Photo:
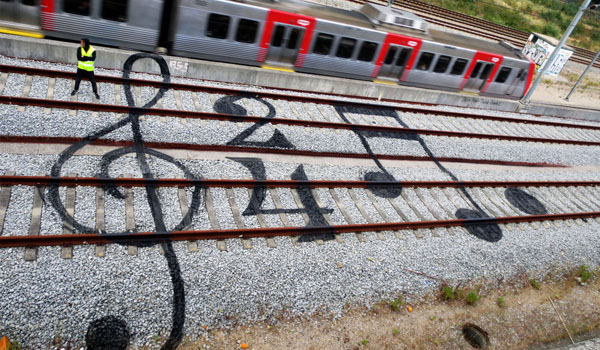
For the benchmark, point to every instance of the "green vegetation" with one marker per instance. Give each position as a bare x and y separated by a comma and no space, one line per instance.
365,341
395,331
15,345
397,303
535,284
473,296
448,293
584,274
500,302
550,17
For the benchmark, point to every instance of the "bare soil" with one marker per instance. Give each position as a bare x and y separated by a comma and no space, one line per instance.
527,319
553,90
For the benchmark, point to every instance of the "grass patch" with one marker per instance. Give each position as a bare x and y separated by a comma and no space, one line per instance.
473,296
500,302
397,303
449,293
584,274
550,17
535,284
15,345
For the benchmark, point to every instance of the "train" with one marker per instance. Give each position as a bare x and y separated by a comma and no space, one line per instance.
374,43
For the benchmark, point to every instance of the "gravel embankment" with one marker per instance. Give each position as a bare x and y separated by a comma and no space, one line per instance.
58,298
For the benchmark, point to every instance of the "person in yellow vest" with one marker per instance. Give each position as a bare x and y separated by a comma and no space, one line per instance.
86,55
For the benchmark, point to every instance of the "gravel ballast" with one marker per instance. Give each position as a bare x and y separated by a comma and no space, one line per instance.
54,300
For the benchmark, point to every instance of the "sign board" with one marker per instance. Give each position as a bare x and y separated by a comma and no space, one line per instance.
538,48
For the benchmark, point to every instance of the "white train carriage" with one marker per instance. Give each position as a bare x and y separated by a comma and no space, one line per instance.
376,43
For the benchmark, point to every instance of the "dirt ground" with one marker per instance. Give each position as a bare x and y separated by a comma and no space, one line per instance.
553,90
526,319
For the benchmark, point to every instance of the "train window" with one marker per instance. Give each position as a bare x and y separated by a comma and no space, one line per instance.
521,75
475,71
323,44
114,10
425,61
485,73
29,2
218,26
345,48
77,7
503,75
403,57
459,67
294,39
246,32
278,36
390,55
441,66
367,51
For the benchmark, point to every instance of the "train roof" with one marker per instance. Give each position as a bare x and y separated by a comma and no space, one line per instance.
359,19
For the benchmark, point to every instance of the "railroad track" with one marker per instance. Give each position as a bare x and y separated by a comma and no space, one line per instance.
307,210
476,26
321,111
423,208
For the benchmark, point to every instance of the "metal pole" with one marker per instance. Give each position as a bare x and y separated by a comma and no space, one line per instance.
582,75
390,2
550,60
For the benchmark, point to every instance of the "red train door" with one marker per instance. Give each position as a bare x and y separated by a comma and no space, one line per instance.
481,71
285,44
286,38
397,57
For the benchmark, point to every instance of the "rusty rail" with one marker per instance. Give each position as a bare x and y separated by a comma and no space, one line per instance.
28,101
332,100
8,180
94,238
264,150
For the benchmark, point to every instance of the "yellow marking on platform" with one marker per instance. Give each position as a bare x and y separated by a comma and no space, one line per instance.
385,82
21,33
283,69
472,93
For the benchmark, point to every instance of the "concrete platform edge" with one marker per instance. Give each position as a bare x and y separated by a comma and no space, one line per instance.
111,58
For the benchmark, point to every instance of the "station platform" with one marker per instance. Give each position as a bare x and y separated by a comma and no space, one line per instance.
112,58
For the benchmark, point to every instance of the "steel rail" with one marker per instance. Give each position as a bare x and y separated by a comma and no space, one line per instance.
174,182
28,101
94,238
14,180
265,150
282,96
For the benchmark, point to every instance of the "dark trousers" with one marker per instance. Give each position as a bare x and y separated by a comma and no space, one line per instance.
88,75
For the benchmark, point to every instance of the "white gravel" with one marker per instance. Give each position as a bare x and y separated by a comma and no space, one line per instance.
53,297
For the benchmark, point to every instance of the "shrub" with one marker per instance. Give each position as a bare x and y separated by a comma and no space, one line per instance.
550,29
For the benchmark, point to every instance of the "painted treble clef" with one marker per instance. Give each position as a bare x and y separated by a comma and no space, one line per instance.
142,154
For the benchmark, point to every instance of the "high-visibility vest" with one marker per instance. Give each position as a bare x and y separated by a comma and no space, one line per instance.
86,65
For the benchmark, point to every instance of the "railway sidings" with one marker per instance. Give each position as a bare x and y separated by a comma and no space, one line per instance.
176,205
